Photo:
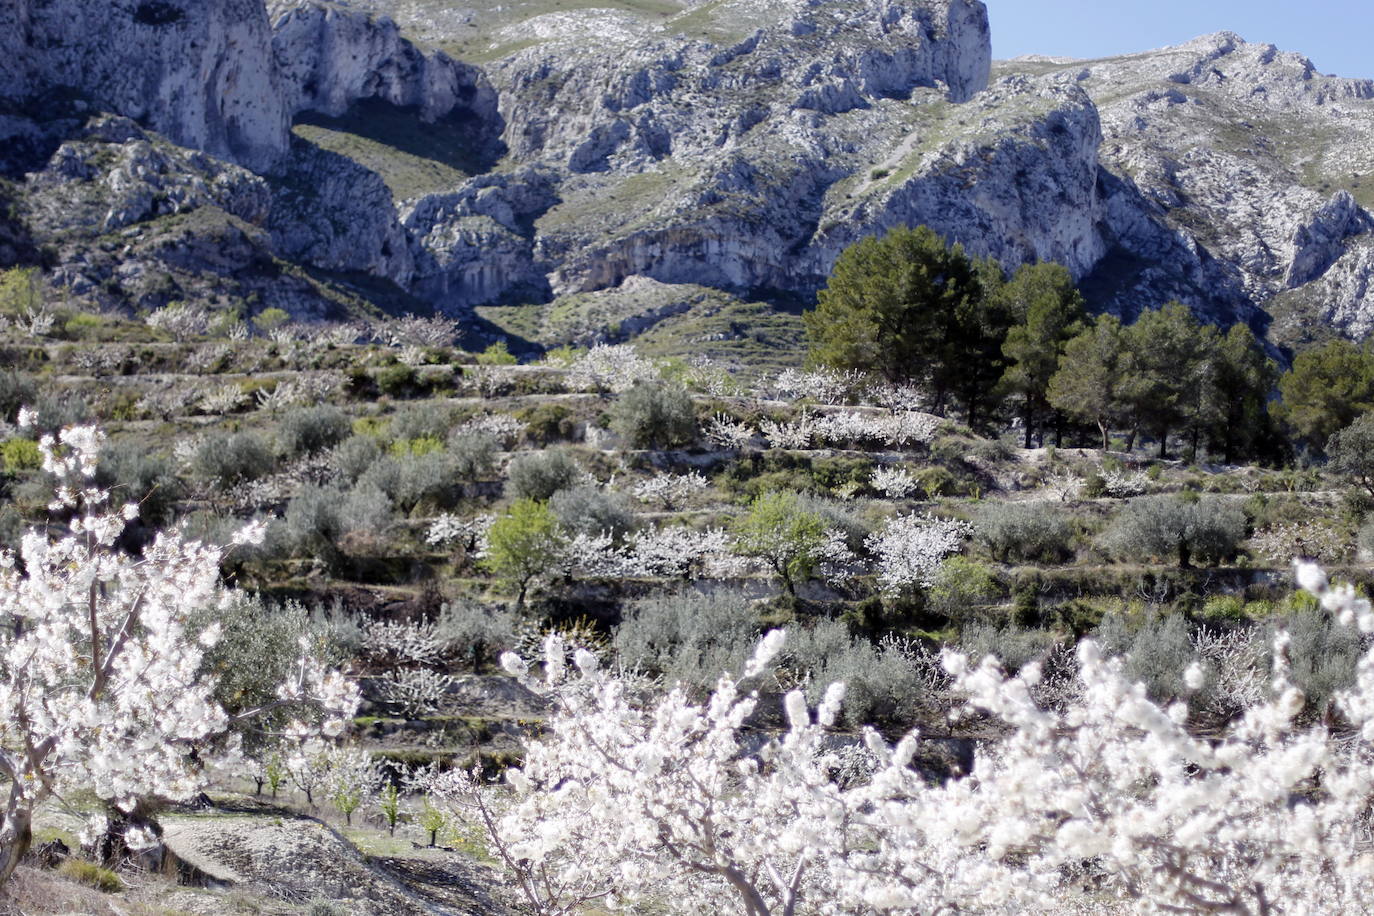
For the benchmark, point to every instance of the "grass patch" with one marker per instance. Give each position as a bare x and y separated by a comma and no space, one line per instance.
91,875
413,157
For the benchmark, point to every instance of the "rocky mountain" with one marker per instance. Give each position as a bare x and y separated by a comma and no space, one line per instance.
645,165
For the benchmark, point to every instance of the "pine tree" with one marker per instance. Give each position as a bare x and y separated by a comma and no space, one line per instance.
1047,312
1091,375
905,306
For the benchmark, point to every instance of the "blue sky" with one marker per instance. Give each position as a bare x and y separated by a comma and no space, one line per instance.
1338,35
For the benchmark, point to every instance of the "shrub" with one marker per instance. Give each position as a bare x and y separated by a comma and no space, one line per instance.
410,480
18,455
1210,529
466,628
1324,655
687,637
311,524
547,423
881,684
307,430
397,381
1157,654
961,587
258,643
588,509
91,875
353,456
269,319
131,474
16,390
1024,532
421,421
539,475
472,454
936,481
58,410
654,415
226,459
498,354
1013,646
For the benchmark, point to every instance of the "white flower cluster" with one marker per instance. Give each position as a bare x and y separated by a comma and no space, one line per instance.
415,331
727,432
671,490
222,399
180,320
449,529
894,483
99,682
1312,540
710,379
909,548
794,435
1118,484
414,692
502,426
850,427
303,389
824,386
1107,801
411,643
613,368
1064,488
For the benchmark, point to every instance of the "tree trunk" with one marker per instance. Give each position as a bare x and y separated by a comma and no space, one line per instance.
1164,445
11,854
1106,442
1185,554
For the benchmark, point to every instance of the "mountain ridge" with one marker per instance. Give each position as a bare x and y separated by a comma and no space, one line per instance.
715,145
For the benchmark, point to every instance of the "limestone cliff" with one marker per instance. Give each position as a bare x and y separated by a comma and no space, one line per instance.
460,156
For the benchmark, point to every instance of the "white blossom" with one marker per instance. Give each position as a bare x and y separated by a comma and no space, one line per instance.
909,548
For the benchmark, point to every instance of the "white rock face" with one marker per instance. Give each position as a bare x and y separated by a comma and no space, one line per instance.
328,57
198,72
1023,187
739,145
1233,174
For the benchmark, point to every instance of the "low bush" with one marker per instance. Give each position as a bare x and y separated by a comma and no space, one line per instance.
1174,525
547,423
353,456
473,455
687,637
16,390
226,459
589,509
307,430
881,683
18,455
654,415
1023,532
539,475
131,474
962,589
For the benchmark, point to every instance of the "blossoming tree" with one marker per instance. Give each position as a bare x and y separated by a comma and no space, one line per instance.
100,680
635,801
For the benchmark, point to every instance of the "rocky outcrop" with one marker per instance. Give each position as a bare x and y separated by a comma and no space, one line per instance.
1023,187
328,57
199,72
737,145
1233,175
